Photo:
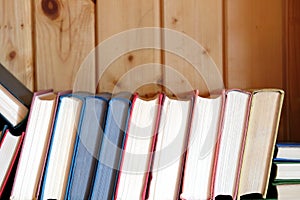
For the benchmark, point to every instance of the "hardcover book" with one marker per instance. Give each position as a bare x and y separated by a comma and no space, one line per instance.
138,147
88,144
59,158
35,146
9,149
231,141
261,136
15,100
110,151
202,146
168,160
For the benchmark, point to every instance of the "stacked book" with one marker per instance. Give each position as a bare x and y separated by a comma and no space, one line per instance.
287,170
122,146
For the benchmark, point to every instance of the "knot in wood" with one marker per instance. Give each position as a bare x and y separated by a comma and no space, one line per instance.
51,8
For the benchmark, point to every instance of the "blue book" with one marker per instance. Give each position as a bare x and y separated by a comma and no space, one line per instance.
287,152
110,151
67,122
87,147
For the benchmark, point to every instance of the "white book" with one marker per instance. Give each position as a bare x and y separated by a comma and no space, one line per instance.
61,148
9,147
201,148
170,148
38,132
138,148
231,143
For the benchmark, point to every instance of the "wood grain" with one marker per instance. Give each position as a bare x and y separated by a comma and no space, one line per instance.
124,74
16,39
253,43
64,36
202,20
292,70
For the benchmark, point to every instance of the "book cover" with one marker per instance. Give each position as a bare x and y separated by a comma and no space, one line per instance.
88,144
110,151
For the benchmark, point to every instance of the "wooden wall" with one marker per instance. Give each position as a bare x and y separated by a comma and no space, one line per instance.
291,73
253,44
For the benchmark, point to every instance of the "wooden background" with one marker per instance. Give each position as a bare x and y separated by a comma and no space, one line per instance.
254,44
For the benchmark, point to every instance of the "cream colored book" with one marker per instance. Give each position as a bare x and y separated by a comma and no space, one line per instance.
260,142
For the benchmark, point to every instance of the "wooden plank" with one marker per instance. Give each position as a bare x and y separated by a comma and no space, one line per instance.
292,70
202,20
254,43
16,39
253,49
65,35
125,74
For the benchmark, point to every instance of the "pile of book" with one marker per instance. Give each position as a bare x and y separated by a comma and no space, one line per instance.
122,146
287,170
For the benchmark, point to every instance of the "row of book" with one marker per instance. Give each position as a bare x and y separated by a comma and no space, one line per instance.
121,146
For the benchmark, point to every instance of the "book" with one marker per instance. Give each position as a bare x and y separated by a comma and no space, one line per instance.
201,148
138,147
230,146
9,149
168,160
262,131
59,158
15,100
11,108
110,151
287,189
287,171
88,143
287,152
35,145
